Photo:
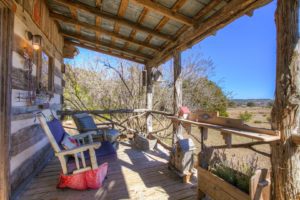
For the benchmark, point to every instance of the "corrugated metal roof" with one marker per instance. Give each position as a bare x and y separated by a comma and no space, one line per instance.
147,26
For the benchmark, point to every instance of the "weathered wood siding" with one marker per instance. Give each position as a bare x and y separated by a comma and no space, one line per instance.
29,146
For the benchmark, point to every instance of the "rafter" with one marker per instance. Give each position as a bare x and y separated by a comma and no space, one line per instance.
233,10
65,19
125,22
98,3
165,20
206,9
93,42
156,7
104,52
139,21
178,5
98,23
121,13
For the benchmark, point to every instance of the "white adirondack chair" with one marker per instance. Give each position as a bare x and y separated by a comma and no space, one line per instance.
62,154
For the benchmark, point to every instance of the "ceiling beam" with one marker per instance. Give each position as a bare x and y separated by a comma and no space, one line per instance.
109,46
233,10
156,7
68,20
120,20
104,52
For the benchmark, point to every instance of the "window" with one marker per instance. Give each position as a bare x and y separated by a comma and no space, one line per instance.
46,74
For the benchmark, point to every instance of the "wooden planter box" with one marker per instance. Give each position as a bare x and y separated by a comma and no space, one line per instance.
219,189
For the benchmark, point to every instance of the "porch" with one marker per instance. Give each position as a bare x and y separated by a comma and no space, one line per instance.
36,36
132,174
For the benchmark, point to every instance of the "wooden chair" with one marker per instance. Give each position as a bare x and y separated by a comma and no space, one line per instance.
106,131
63,154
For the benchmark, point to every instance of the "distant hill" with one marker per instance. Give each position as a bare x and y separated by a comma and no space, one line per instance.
252,102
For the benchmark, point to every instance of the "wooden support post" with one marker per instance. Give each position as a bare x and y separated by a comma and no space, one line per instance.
6,38
177,103
204,136
286,112
227,138
149,99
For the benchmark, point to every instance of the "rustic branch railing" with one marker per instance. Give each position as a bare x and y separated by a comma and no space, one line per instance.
132,124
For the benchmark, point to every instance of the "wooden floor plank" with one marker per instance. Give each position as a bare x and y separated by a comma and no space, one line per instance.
133,174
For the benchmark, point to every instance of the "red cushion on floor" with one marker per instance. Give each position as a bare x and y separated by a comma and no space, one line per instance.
95,178
74,181
92,179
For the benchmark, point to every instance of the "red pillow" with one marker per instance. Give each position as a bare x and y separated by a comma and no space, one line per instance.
92,179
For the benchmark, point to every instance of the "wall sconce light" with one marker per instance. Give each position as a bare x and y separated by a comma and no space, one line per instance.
36,40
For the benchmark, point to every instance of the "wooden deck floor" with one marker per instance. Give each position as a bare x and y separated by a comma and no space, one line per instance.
133,174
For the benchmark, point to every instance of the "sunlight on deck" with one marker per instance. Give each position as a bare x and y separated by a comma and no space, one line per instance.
132,174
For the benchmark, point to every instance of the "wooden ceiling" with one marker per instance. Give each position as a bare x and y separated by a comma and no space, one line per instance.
144,31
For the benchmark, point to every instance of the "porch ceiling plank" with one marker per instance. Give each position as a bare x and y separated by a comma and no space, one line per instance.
120,20
156,7
86,40
104,52
98,29
233,10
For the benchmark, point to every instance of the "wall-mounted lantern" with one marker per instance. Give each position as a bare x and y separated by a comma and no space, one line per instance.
76,52
157,76
36,40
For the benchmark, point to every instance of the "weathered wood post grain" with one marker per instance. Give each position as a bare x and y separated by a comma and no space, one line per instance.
149,99
177,102
6,38
285,113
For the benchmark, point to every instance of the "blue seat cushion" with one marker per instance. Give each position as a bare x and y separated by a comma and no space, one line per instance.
106,149
111,135
84,122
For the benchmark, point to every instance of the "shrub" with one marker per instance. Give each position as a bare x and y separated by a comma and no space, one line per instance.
237,173
250,104
257,122
246,116
232,104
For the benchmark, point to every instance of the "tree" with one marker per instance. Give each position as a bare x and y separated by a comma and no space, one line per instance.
285,112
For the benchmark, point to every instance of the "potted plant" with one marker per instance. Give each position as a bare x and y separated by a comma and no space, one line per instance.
232,179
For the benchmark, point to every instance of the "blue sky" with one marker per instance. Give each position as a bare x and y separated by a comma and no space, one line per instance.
244,55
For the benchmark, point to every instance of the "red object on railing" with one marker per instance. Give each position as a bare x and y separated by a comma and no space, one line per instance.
91,179
183,111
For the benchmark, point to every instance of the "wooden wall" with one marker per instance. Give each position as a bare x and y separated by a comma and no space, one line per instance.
29,146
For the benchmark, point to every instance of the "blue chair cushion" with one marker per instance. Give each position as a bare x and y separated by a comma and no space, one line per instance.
84,122
111,135
57,130
106,149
